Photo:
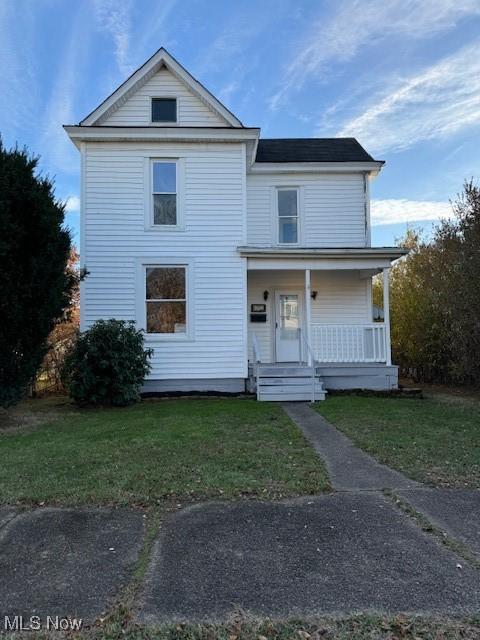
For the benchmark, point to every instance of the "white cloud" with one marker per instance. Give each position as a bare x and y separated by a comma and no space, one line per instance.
115,18
436,103
72,204
357,24
400,211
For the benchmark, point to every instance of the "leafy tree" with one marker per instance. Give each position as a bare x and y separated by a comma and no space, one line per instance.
34,284
62,338
435,301
458,245
107,365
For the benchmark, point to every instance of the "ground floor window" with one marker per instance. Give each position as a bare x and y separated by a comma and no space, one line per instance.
166,299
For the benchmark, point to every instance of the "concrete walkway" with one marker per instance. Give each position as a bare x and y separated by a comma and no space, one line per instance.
349,468
456,511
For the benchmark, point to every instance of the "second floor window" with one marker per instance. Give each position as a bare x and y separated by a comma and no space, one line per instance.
164,192
287,208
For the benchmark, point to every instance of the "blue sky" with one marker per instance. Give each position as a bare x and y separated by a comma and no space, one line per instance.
403,76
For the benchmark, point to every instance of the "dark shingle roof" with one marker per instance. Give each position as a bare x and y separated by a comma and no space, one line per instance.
311,150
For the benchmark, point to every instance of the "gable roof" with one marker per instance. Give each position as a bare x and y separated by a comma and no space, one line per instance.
311,150
159,60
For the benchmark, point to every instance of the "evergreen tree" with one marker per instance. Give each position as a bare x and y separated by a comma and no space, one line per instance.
34,283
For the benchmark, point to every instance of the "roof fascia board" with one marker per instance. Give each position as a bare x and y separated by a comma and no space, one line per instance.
390,253
316,167
149,67
80,134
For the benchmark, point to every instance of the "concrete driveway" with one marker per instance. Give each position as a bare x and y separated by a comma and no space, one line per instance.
335,554
65,562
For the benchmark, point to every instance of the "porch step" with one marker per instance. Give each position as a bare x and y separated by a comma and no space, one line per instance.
289,382
291,397
285,371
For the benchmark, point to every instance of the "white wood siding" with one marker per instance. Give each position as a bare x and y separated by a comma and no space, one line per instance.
342,297
136,111
332,209
115,239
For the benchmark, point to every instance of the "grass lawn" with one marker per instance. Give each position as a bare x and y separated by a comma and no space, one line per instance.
178,449
361,627
435,440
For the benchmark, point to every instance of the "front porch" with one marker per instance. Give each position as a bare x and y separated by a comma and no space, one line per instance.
318,314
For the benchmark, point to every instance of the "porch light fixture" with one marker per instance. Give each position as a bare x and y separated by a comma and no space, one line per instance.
265,295
314,295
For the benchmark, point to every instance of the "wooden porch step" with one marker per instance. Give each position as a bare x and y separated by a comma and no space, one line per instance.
290,396
301,388
285,372
293,381
289,383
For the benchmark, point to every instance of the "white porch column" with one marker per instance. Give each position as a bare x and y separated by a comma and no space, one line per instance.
386,314
308,314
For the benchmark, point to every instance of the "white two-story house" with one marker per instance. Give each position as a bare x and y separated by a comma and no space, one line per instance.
247,261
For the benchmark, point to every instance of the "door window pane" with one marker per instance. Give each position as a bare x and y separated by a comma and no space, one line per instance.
289,319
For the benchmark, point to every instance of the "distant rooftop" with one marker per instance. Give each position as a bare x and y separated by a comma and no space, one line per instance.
311,150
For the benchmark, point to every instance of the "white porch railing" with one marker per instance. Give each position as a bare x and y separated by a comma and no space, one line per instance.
256,360
349,342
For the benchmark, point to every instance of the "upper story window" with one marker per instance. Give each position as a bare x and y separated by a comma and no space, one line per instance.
164,110
166,299
164,193
287,209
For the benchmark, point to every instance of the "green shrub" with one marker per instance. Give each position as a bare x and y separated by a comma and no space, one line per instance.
107,365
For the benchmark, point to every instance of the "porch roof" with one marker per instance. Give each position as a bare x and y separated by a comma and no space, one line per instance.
320,258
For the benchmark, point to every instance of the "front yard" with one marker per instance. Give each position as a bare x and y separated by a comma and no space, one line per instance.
182,450
435,440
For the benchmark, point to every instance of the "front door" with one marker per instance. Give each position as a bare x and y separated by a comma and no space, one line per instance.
287,327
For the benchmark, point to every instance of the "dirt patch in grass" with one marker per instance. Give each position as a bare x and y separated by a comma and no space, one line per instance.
31,412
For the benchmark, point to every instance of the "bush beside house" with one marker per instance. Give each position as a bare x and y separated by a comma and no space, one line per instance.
107,365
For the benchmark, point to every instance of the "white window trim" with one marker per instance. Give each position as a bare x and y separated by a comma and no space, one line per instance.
141,295
148,179
171,123
276,225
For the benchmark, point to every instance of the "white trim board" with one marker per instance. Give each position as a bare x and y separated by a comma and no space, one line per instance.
160,134
372,168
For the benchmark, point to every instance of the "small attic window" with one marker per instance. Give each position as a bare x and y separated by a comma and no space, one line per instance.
164,109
